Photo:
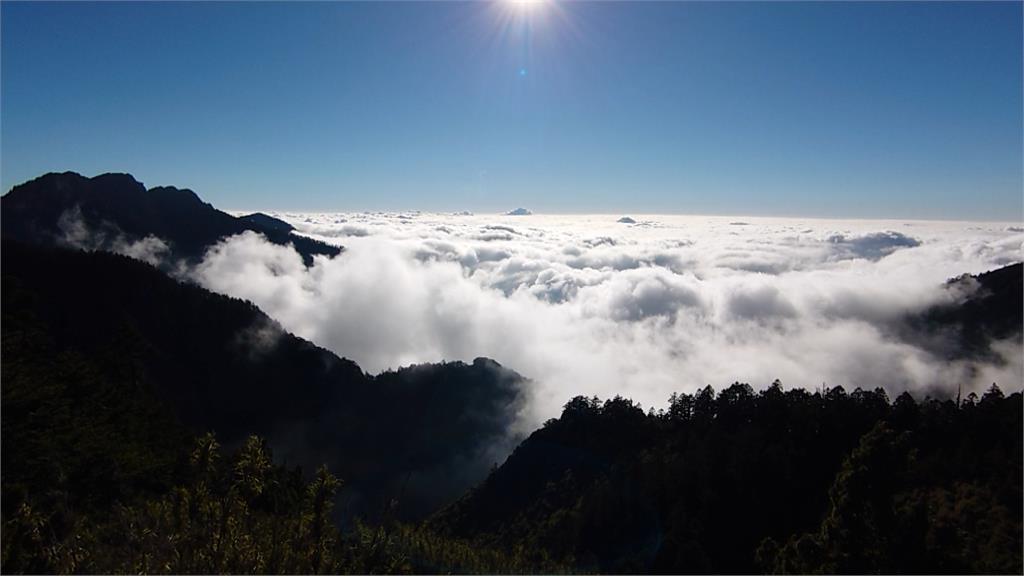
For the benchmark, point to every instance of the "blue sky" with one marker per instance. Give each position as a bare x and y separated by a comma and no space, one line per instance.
832,109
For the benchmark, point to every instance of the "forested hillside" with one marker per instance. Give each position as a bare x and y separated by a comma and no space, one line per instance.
156,355
776,481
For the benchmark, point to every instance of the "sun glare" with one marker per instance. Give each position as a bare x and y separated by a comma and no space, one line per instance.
526,4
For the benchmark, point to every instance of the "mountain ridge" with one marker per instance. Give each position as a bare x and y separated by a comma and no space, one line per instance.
117,205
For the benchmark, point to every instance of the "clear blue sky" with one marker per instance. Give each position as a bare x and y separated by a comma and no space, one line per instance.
832,109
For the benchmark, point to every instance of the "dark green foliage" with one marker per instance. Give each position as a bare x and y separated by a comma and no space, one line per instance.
403,548
243,515
83,433
79,430
715,483
940,497
234,515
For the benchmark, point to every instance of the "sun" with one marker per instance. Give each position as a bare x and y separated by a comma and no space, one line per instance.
526,4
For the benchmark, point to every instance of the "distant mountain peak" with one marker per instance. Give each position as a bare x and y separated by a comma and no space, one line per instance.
122,178
182,194
519,212
266,221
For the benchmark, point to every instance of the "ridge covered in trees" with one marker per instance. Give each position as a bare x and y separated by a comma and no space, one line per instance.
776,481
96,327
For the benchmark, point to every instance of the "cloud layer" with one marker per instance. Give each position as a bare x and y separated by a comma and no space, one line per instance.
590,305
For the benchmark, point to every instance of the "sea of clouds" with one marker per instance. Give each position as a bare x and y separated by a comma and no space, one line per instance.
590,305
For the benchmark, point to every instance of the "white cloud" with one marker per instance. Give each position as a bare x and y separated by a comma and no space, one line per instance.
585,305
76,233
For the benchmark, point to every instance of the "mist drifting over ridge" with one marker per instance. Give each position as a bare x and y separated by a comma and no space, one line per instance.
588,305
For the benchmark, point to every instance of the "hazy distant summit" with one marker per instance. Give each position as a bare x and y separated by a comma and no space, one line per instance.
266,221
626,220
113,210
519,212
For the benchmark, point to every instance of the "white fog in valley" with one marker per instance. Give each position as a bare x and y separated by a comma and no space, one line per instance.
591,305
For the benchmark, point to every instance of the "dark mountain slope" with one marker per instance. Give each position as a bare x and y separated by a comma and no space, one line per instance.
992,309
217,363
743,483
55,208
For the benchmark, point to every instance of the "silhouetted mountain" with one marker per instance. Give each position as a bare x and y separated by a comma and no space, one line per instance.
774,481
115,209
98,330
990,308
267,222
